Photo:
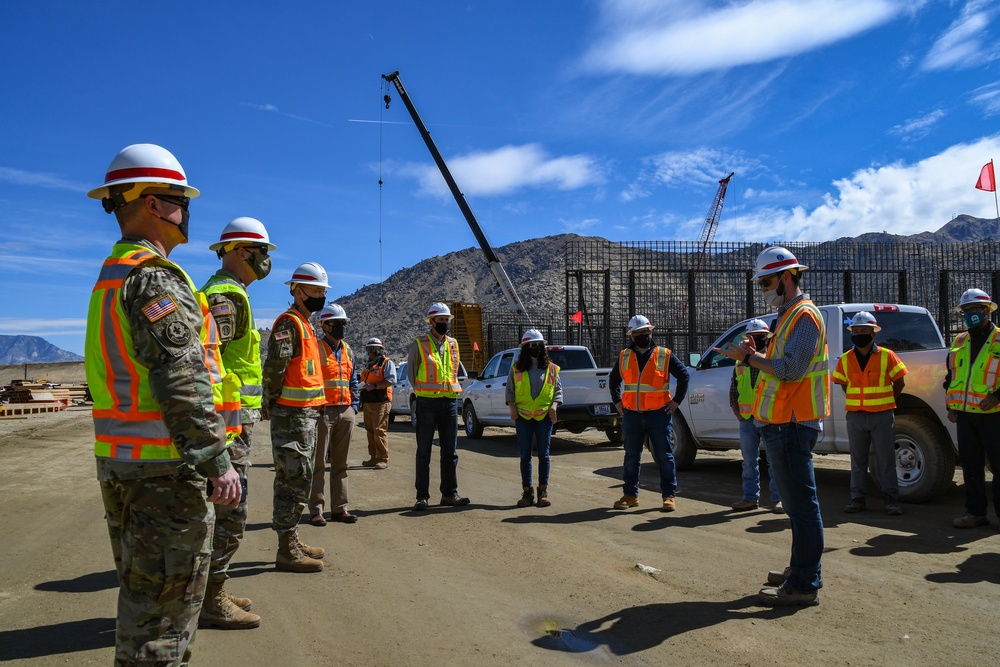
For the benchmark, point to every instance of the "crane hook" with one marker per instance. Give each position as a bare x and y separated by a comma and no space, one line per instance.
387,99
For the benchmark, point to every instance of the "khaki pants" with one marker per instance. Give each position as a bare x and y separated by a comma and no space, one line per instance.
377,427
335,429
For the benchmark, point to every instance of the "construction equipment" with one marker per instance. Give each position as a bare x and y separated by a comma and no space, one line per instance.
712,220
496,268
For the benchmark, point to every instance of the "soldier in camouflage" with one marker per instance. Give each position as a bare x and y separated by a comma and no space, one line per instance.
243,248
158,430
293,399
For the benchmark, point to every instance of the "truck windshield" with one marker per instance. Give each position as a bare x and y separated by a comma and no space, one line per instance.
900,332
571,360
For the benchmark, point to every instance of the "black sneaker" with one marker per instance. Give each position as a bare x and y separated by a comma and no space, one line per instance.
892,507
420,505
782,596
454,501
856,505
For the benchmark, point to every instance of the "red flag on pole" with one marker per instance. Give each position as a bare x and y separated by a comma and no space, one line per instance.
577,317
987,178
475,346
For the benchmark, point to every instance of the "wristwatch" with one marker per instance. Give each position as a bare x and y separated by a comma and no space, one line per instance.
746,359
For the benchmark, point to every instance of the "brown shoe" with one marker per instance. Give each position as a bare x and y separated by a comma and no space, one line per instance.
970,521
543,497
669,504
370,463
317,519
626,502
291,557
744,505
527,497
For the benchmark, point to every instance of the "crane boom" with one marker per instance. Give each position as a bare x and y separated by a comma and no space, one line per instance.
712,219
492,261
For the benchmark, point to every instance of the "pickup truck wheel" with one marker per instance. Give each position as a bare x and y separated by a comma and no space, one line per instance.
925,459
615,434
473,427
413,413
682,443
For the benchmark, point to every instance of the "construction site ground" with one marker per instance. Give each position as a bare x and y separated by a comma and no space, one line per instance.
492,583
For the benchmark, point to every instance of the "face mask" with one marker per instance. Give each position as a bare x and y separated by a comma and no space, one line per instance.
642,340
862,340
973,319
259,264
314,303
759,342
336,331
441,328
773,299
183,227
534,351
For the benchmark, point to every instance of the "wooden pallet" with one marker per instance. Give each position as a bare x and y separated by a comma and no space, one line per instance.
15,409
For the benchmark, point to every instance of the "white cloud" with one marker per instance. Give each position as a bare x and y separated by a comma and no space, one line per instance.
917,128
682,38
39,179
964,44
508,169
698,167
579,225
273,109
21,326
988,97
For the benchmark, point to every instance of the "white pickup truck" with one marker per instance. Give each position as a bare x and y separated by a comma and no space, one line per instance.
925,439
586,399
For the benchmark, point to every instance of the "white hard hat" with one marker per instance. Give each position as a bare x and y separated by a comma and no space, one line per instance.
437,310
863,318
333,311
142,163
978,296
309,273
757,326
638,322
775,260
244,230
373,342
532,336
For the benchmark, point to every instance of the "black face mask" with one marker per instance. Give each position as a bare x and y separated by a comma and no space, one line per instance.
314,303
862,340
335,330
642,340
183,227
441,328
759,342
534,351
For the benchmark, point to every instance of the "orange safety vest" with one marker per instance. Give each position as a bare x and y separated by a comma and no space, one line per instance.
651,389
972,383
807,399
302,386
437,376
337,374
128,422
374,376
869,390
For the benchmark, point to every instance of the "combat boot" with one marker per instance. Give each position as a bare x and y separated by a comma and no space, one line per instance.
312,552
246,604
219,611
290,557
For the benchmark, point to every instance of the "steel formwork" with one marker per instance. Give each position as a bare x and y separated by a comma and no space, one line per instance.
692,297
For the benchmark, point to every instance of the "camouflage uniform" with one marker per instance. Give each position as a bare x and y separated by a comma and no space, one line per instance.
158,517
293,432
234,321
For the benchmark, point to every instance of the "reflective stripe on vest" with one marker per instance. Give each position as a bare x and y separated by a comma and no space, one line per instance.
649,390
128,423
337,374
302,386
868,390
242,355
535,408
970,385
437,376
374,376
807,399
745,391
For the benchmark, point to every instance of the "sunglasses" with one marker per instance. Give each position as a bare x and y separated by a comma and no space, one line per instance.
767,281
182,202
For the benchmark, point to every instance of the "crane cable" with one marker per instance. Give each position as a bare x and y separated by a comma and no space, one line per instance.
382,87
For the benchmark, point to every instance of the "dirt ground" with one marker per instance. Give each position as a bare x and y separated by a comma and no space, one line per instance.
495,584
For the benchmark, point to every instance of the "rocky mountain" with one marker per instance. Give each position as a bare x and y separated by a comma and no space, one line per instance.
32,350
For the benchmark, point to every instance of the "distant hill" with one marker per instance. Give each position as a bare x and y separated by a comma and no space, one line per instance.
32,350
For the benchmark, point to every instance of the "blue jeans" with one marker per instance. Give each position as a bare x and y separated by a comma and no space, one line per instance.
750,449
636,426
440,414
539,432
789,452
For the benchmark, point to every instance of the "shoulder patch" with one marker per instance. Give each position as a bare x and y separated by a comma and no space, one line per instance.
178,333
222,309
159,307
282,335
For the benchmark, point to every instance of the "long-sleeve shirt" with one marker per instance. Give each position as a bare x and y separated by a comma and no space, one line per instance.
536,376
675,366
338,349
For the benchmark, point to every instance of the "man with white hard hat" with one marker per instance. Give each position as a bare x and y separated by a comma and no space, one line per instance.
872,379
972,388
244,248
378,376
791,399
432,365
159,389
293,397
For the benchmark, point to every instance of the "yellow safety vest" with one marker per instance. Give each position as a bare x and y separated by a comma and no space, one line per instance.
745,391
535,408
437,376
242,355
972,383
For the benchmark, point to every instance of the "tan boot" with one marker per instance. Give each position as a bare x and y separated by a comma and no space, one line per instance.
246,604
218,611
543,497
312,552
527,497
290,557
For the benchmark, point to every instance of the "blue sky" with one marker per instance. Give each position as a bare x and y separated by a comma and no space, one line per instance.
614,119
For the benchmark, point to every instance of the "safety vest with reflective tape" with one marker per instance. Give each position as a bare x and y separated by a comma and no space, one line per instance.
972,383
745,391
242,355
807,399
337,374
649,390
869,390
437,376
128,423
374,375
302,385
535,408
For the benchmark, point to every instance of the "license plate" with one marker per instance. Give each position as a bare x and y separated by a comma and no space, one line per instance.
602,409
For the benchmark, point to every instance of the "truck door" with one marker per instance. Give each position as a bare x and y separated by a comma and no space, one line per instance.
498,389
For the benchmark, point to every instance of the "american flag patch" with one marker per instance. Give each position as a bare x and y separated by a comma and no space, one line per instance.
282,335
159,308
222,309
